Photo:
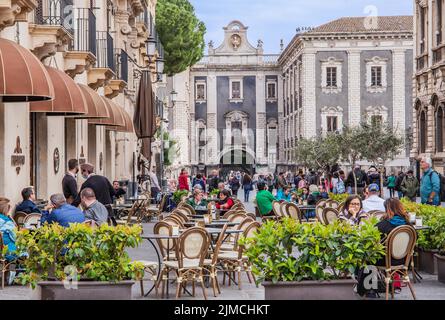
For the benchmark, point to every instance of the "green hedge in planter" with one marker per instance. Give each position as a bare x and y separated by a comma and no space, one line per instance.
432,216
339,197
177,195
79,252
290,251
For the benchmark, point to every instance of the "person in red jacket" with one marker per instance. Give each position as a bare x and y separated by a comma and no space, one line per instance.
225,202
183,180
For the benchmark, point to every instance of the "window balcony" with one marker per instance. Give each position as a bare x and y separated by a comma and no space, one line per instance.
439,54
51,27
422,62
120,80
15,10
104,68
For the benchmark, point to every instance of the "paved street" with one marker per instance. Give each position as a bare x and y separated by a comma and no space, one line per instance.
428,289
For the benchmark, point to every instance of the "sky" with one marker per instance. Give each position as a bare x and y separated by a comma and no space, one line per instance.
272,20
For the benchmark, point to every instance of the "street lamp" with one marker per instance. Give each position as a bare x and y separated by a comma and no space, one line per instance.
151,46
173,97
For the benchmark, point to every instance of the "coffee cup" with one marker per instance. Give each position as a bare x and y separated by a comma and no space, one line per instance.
412,218
419,222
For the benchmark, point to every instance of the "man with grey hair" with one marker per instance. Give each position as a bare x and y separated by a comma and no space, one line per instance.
429,184
93,209
59,211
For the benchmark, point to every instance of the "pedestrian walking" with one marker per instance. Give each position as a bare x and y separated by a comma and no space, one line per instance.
247,186
410,186
391,184
234,185
429,184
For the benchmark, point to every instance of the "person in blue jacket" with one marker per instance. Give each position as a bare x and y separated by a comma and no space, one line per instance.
28,205
7,229
429,184
62,212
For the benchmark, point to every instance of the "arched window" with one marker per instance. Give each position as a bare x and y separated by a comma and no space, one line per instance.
422,131
440,125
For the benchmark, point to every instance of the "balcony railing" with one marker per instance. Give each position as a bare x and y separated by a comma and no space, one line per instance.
55,13
85,30
121,57
438,54
105,51
144,18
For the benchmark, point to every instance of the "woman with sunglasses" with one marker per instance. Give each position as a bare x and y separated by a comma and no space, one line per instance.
353,210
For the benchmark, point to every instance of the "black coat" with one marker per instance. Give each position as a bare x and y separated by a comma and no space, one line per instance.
69,187
102,188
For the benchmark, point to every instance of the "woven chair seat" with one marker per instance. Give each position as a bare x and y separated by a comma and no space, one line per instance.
226,247
230,255
147,264
187,264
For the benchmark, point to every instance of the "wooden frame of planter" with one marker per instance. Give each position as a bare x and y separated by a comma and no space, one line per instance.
428,260
310,290
440,267
86,290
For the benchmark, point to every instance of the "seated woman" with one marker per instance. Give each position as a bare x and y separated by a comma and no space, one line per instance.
285,195
323,193
304,194
225,202
197,201
353,210
7,229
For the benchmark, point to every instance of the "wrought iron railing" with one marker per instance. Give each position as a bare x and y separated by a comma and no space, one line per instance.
105,51
55,12
85,30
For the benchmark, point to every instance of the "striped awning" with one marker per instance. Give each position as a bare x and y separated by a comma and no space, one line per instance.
96,106
23,77
116,118
68,98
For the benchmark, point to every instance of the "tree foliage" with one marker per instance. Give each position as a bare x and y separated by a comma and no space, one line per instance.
318,153
181,33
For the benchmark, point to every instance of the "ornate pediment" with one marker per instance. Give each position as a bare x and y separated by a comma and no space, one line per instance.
235,41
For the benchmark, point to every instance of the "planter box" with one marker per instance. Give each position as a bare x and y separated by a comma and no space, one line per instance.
86,290
310,290
427,261
440,268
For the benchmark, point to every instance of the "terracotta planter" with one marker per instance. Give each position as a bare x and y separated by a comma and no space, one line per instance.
86,290
310,290
440,268
427,261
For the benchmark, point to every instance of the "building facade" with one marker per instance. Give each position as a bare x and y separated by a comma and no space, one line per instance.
344,72
233,104
428,82
98,50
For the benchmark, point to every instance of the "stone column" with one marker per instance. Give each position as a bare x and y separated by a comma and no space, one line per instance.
309,95
354,100
260,119
398,114
212,129
280,119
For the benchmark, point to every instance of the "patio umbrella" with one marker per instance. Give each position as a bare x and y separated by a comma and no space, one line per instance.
144,119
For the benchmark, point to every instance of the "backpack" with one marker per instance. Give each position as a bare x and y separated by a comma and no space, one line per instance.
359,179
341,187
441,184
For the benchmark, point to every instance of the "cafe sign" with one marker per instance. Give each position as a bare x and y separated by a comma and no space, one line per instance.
18,158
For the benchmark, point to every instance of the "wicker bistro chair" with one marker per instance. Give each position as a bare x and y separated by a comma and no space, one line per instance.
231,244
400,245
252,215
276,207
283,209
376,213
211,265
321,203
181,214
19,216
134,214
174,221
4,265
188,207
32,220
331,204
236,261
329,215
319,212
341,207
191,250
166,246
293,211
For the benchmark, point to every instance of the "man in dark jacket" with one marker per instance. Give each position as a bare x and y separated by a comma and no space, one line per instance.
214,181
101,186
69,182
360,177
398,186
28,205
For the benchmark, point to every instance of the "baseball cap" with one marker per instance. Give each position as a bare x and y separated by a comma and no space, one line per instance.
373,187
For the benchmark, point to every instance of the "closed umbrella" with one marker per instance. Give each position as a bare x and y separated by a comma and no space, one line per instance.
145,116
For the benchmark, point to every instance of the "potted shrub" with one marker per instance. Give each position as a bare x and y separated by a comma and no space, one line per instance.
311,261
178,195
80,262
427,241
340,198
438,230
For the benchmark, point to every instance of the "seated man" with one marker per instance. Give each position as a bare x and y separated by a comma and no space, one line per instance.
28,205
264,199
373,202
93,209
61,213
118,190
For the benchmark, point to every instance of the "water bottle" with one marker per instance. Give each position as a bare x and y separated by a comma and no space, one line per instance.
213,210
